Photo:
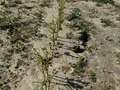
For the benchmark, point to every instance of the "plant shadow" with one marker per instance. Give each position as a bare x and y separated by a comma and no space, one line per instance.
70,84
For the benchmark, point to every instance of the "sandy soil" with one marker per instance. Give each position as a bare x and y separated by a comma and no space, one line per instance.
18,67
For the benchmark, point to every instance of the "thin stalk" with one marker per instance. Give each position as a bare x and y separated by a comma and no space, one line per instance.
61,4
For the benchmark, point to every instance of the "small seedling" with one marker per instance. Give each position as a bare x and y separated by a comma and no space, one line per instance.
45,61
79,67
93,76
78,23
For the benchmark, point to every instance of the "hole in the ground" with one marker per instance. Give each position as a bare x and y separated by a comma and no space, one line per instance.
78,49
85,36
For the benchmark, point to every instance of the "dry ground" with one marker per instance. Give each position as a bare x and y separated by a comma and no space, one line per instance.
19,70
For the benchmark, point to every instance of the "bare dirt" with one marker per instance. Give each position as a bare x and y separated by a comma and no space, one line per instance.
19,69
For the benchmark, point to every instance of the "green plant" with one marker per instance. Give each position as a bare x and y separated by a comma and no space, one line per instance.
7,21
56,25
79,67
60,18
93,76
78,23
75,14
45,60
53,36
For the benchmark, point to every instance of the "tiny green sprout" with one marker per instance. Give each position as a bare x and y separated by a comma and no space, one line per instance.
79,67
93,76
